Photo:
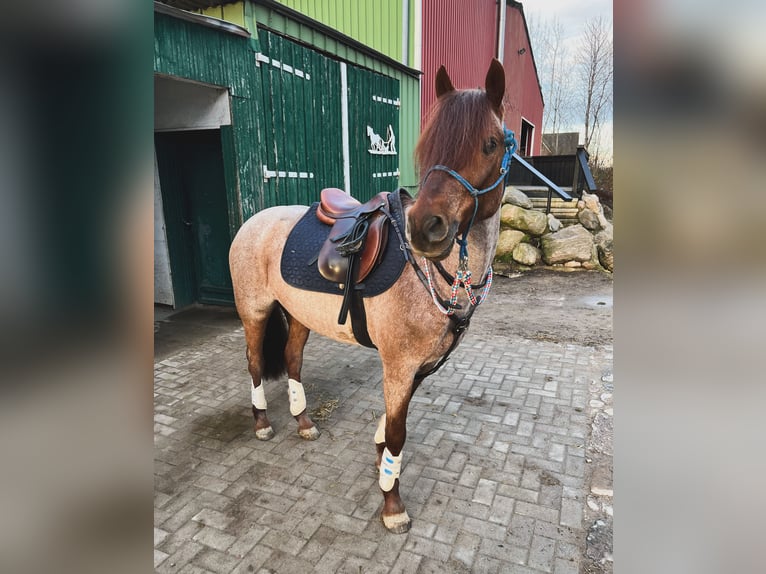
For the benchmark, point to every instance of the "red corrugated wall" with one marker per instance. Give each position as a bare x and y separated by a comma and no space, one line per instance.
462,35
522,90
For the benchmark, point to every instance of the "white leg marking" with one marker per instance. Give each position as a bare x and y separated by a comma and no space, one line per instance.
390,466
380,433
258,397
297,397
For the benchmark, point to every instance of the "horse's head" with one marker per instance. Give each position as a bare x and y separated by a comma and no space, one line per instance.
465,134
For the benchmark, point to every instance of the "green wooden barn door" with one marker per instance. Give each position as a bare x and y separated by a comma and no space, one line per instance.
302,122
373,123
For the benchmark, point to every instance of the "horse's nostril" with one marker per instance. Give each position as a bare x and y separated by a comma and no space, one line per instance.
435,229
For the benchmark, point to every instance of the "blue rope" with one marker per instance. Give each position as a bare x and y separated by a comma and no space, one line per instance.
510,148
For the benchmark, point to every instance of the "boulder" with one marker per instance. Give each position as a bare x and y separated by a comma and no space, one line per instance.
604,241
516,197
526,254
507,242
553,224
590,265
573,243
589,220
527,220
592,203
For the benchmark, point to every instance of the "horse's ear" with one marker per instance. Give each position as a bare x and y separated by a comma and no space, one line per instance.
443,83
495,84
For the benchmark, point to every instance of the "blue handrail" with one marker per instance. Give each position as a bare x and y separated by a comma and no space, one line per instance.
551,186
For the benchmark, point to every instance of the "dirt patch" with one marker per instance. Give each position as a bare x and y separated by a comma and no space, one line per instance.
549,305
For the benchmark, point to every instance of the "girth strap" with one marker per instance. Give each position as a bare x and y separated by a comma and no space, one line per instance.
351,246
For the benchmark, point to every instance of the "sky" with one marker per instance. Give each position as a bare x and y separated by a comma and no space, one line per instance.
572,14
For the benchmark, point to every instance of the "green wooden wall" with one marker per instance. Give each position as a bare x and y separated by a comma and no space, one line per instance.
301,130
375,23
372,104
409,86
227,60
224,60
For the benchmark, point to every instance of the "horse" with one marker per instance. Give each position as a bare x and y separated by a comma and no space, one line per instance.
413,324
376,142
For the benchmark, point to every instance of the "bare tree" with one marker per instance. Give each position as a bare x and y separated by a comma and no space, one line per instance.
554,63
594,61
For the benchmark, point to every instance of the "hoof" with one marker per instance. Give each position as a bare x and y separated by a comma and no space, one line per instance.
397,523
264,434
311,433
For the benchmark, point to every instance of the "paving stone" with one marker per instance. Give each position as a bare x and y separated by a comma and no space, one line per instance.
214,538
493,476
541,553
212,518
247,540
406,562
159,556
179,558
465,547
504,551
562,566
501,510
485,492
428,547
571,513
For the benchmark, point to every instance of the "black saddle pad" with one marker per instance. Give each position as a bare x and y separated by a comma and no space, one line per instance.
299,257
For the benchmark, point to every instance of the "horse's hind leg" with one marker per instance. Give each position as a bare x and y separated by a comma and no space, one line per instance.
263,362
296,341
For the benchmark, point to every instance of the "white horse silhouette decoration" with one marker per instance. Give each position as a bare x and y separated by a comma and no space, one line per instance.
379,146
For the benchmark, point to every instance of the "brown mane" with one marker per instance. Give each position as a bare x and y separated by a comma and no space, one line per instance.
464,112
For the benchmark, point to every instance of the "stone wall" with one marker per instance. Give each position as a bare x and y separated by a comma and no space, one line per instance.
529,237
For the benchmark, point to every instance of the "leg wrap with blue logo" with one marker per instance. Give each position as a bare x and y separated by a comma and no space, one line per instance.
390,466
297,397
258,397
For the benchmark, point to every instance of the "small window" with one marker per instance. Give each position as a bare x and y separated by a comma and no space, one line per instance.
527,131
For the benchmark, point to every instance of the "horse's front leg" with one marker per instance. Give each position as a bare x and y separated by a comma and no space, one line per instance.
392,430
296,341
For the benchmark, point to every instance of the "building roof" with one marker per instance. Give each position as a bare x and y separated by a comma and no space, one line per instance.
197,4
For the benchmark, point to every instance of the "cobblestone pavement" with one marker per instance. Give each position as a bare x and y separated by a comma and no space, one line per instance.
494,474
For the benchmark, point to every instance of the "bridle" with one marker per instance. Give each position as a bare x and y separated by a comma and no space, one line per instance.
462,276
509,139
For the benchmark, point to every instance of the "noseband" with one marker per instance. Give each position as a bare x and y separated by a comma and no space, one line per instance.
510,149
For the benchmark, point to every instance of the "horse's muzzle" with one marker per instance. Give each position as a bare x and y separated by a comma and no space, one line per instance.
431,237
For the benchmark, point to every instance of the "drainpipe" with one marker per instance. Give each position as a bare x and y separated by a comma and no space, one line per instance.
501,31
406,32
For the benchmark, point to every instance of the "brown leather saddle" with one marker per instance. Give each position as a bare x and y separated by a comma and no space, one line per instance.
358,236
353,248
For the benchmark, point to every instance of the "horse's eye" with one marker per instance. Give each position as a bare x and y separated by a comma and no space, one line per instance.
490,146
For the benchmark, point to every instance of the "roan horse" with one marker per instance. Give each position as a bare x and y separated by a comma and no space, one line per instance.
413,327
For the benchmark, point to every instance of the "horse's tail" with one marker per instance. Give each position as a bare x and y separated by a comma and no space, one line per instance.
274,343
